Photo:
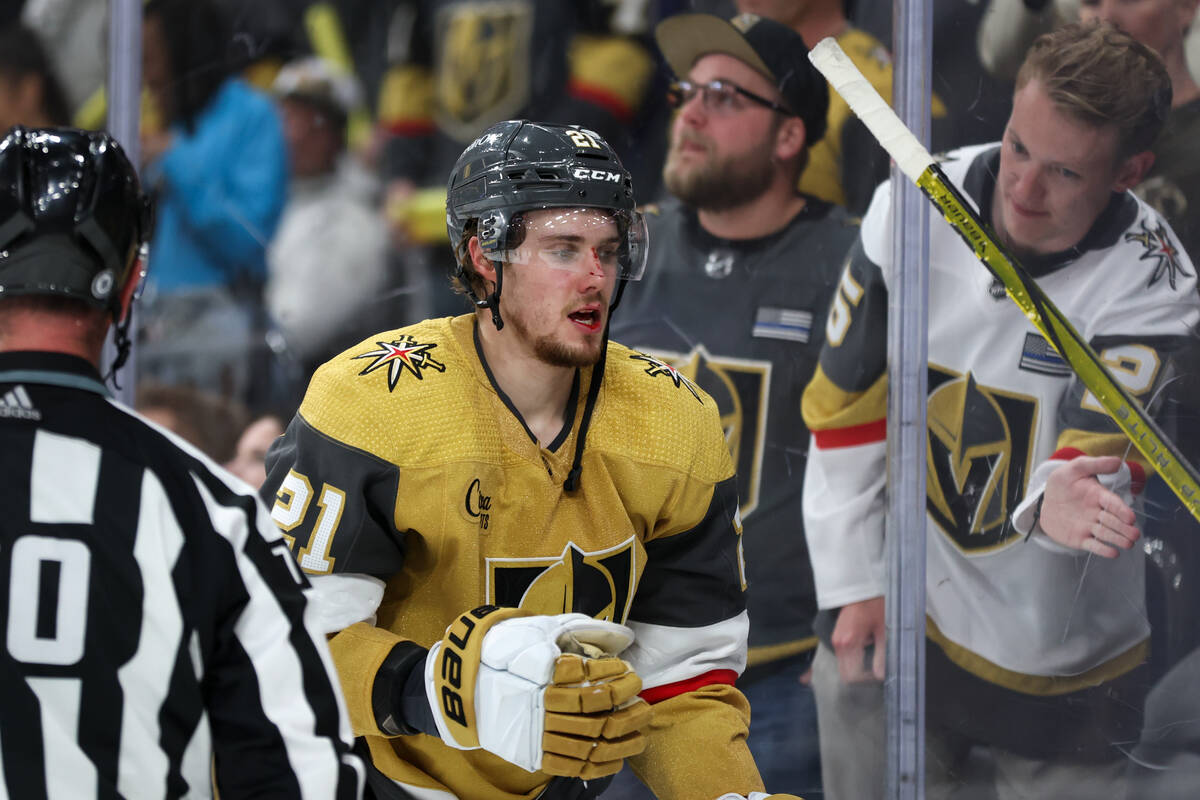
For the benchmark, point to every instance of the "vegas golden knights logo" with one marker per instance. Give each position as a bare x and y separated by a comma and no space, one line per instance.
741,388
980,442
483,64
598,584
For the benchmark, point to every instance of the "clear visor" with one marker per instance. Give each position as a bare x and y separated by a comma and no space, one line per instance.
583,240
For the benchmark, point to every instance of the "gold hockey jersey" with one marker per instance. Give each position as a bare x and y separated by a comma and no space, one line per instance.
406,462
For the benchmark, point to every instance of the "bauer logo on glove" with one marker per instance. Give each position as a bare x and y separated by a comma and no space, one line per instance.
543,692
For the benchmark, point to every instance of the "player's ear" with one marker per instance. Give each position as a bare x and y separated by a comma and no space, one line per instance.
483,265
1132,170
790,139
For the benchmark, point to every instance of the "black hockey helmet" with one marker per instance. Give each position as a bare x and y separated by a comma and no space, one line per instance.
73,218
517,166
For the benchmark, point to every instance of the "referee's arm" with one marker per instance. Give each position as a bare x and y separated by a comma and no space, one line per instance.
279,723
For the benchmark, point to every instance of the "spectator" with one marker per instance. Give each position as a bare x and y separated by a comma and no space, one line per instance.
72,34
208,421
459,66
249,459
1173,184
1036,651
30,93
218,169
327,265
735,297
846,164
977,103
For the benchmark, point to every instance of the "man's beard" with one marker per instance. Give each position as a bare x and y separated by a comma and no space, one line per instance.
719,185
553,352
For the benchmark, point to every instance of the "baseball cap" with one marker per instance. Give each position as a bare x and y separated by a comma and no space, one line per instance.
770,47
317,81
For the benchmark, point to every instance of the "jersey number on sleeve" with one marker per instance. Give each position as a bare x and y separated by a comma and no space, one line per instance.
290,510
1134,365
849,293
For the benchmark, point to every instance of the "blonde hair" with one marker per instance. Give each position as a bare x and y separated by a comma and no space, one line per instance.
1102,76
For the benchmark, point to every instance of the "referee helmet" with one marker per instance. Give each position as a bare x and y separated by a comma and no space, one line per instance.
73,218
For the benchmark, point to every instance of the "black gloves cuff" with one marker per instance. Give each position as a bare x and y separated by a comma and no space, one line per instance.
389,694
415,702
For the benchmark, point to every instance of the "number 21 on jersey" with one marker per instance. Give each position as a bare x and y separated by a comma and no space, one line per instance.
290,509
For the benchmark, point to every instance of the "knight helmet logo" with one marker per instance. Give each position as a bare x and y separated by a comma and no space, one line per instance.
978,458
599,584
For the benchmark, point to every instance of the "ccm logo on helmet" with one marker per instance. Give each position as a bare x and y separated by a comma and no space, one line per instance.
583,173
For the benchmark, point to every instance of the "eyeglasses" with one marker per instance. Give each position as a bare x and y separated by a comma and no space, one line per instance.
718,97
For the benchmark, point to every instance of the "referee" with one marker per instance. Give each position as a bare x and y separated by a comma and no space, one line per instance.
152,631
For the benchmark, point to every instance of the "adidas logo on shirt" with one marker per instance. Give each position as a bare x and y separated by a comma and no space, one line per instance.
16,404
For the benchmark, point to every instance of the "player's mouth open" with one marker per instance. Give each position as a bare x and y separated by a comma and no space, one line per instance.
587,318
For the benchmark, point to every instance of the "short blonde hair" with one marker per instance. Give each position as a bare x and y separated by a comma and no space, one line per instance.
1102,76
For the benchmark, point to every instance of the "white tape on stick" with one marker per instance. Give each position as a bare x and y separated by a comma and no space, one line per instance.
865,102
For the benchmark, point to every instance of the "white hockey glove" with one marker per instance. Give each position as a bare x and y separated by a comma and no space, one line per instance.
759,796
543,692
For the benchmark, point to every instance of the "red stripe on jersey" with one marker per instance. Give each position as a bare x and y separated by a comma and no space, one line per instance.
599,96
850,436
660,693
1137,477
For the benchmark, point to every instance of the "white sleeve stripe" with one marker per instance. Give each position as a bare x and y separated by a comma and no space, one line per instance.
662,654
261,627
156,547
341,599
844,513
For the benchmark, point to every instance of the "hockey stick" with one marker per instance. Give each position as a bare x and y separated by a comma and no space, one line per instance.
916,162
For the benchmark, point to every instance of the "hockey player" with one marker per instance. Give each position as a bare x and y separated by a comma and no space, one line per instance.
1037,627
155,633
735,296
497,505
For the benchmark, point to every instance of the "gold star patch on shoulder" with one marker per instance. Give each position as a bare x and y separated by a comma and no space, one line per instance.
1162,250
403,355
660,367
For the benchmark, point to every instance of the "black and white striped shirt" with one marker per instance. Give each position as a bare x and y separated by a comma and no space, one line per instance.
152,620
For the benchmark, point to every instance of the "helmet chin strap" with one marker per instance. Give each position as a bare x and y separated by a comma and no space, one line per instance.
572,482
122,343
492,301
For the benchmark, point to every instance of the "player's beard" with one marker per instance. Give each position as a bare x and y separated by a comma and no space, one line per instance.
554,352
718,184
